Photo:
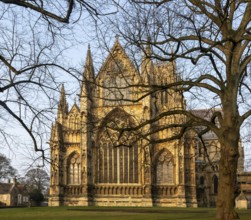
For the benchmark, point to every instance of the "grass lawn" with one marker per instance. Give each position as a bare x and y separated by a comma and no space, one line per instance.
111,213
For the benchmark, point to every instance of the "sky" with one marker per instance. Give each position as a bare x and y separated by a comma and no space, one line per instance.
21,151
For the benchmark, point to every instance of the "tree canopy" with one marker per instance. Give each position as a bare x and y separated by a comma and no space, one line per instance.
37,179
6,170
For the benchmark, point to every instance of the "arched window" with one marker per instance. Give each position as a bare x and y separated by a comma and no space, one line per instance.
116,88
74,169
117,164
215,184
165,168
117,157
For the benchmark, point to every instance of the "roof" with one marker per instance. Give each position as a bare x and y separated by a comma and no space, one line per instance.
241,197
5,188
22,189
206,113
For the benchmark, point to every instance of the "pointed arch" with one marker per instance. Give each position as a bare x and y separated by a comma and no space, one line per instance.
115,117
215,184
117,154
164,168
74,169
74,117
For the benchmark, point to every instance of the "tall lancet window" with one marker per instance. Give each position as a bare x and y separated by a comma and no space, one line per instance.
117,157
215,184
165,168
74,169
116,86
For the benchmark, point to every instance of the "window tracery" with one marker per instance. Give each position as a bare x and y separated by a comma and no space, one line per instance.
116,86
74,169
117,157
165,169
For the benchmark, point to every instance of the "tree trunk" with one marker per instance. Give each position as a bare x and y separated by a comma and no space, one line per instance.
228,176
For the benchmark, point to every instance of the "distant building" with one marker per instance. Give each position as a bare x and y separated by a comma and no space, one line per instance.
13,194
95,164
207,166
241,201
244,181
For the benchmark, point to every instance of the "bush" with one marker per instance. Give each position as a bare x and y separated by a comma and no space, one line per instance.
36,196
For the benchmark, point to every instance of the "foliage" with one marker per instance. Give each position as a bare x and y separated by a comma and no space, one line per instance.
6,170
36,196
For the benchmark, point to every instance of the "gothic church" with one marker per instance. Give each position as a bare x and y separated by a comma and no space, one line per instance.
100,158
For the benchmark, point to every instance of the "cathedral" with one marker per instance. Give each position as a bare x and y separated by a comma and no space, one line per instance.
114,148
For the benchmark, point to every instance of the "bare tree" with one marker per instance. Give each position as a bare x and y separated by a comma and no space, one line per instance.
34,38
60,11
210,43
37,179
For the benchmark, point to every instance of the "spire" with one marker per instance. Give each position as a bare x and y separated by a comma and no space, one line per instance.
88,75
148,47
117,44
88,69
147,64
62,106
55,133
116,39
52,131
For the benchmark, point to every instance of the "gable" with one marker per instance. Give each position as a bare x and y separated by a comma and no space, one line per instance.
74,111
117,64
5,188
117,78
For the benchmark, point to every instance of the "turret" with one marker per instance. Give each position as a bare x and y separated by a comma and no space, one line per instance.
86,103
87,82
52,132
55,132
62,106
147,64
89,69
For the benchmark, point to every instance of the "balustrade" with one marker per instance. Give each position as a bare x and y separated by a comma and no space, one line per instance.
117,190
165,190
160,190
73,190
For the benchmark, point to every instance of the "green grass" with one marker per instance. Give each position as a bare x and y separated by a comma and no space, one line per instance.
111,213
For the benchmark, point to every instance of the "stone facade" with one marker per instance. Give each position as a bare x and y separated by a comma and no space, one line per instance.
100,155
